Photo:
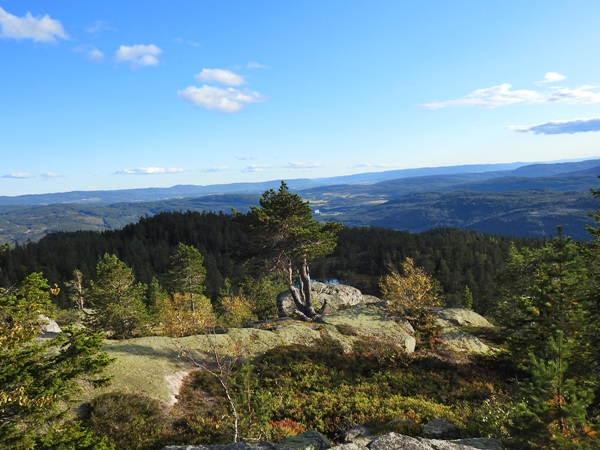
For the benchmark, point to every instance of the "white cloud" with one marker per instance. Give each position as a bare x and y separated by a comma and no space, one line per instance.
95,55
138,55
257,168
502,95
52,175
551,77
245,158
19,175
42,29
561,126
220,76
226,100
256,65
150,171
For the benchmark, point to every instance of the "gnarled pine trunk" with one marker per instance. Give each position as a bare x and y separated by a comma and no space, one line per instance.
301,294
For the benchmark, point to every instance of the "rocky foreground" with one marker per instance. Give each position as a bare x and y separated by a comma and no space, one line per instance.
434,437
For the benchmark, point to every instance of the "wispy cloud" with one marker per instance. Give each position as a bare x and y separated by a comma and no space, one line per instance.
99,25
302,165
51,175
95,55
150,171
226,100
18,175
245,158
551,77
257,168
492,97
215,169
187,41
561,126
503,95
138,55
377,166
580,95
220,76
41,29
91,53
256,65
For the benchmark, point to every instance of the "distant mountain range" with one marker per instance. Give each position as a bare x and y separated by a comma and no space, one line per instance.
517,199
182,191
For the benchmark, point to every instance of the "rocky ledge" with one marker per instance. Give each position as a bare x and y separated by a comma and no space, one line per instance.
313,440
438,434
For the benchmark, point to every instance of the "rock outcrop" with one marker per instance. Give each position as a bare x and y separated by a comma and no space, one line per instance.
338,296
49,328
313,440
352,317
440,429
459,317
451,319
309,440
393,441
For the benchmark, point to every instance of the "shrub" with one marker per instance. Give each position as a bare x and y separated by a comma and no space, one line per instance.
179,318
131,421
411,295
280,429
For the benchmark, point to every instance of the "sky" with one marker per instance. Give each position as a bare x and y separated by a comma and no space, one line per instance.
104,94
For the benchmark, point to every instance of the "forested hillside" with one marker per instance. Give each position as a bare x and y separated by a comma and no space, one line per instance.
457,258
527,202
156,286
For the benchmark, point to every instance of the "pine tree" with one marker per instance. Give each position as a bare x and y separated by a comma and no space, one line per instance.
187,273
285,239
117,300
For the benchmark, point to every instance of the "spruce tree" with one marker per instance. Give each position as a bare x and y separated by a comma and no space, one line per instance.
548,342
552,412
39,379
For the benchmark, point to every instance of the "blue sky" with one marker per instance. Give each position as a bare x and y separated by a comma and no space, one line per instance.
110,95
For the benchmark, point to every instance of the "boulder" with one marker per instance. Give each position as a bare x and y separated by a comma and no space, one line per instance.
371,321
481,443
459,317
461,340
313,440
450,319
234,446
393,441
350,446
48,328
309,440
440,429
338,296
358,435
